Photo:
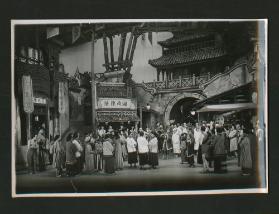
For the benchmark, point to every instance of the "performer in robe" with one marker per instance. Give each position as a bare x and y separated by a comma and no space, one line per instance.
176,142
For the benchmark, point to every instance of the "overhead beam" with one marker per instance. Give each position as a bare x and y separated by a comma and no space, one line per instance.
121,49
129,47
93,83
111,51
106,51
133,47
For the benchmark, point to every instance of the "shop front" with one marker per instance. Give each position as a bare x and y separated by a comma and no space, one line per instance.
117,112
36,107
234,106
116,105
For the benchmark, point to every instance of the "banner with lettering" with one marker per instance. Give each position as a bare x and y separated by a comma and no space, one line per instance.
27,90
117,103
61,98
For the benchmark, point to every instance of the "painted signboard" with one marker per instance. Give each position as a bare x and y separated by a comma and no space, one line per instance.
117,103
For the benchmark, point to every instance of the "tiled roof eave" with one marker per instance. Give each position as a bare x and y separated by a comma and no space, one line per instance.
185,63
188,63
174,41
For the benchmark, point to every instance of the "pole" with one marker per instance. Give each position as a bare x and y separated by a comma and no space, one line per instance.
28,123
60,124
140,117
93,83
105,50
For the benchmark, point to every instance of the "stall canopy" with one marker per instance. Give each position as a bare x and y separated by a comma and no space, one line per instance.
227,107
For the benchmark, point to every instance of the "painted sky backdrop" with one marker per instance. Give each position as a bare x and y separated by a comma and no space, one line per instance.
79,56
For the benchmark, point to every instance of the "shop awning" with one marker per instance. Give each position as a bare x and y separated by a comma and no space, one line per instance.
227,107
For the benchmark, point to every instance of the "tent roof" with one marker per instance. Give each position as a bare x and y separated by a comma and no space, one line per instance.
227,107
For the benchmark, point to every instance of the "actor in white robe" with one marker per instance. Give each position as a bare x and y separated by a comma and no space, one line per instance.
176,141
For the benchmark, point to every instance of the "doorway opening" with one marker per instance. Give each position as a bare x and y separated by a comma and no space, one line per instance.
181,111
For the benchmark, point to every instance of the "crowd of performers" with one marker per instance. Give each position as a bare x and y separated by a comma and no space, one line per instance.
107,150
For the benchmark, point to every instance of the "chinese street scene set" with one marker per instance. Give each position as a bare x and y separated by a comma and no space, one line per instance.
139,106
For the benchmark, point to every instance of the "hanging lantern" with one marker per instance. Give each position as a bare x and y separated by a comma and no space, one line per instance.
193,112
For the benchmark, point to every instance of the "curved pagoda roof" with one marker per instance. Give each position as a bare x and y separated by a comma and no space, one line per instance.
178,39
191,56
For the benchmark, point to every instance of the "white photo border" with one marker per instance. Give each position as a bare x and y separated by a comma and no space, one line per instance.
121,194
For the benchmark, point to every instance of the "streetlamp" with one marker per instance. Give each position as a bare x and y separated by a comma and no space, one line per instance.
193,113
147,106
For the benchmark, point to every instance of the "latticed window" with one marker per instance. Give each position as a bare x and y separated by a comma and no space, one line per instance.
115,91
186,82
174,83
201,79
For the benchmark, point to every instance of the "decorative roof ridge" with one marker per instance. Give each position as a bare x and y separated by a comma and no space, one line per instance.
188,56
190,50
183,37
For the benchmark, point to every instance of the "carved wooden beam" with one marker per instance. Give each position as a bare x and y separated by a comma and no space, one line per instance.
133,47
111,51
121,49
129,47
106,52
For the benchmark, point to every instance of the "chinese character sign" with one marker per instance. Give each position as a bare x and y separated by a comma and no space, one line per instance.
27,90
116,103
61,100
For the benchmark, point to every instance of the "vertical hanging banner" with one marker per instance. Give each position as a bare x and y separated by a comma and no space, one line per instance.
27,91
61,98
66,97
76,30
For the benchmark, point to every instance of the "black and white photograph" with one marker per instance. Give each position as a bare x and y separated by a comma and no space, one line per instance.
139,107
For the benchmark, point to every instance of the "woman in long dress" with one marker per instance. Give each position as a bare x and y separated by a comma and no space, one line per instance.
78,154
245,153
108,151
32,154
42,145
153,151
183,147
176,142
233,141
89,155
218,144
132,150
58,155
98,154
123,137
190,148
118,152
142,150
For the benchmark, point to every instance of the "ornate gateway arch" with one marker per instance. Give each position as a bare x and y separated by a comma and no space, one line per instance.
177,98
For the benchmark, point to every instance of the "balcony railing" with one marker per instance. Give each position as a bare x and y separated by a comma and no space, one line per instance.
186,82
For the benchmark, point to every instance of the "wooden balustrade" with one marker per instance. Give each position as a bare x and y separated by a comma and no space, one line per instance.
115,91
189,81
